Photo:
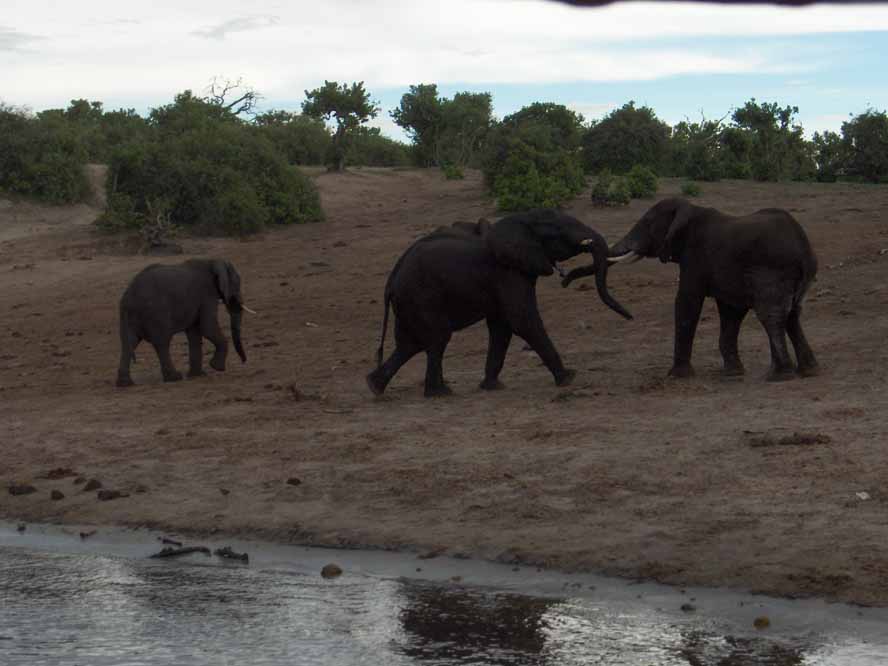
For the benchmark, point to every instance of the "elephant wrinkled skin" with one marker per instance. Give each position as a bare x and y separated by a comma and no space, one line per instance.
456,276
163,300
762,261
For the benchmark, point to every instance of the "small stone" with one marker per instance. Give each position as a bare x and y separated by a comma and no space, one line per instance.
293,481
688,608
86,535
92,484
331,571
57,495
224,491
22,489
107,495
79,480
761,622
21,527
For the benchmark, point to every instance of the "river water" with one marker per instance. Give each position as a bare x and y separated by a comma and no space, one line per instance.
101,601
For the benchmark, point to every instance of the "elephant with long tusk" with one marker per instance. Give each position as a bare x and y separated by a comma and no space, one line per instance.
163,300
453,278
762,262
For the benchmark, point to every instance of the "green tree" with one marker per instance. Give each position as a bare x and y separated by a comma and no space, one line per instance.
829,155
202,167
349,106
465,122
865,139
696,151
625,137
303,140
420,114
41,157
444,131
370,147
778,150
530,157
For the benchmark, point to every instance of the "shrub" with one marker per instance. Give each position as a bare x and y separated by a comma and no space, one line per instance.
523,185
628,135
453,172
642,182
601,189
41,159
610,190
211,171
691,189
865,139
531,158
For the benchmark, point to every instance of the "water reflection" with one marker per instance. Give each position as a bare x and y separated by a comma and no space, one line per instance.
472,626
63,609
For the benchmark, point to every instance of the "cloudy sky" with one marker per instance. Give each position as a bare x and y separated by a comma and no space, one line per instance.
680,59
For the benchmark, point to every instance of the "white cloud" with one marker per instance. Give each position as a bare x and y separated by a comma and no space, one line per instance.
152,50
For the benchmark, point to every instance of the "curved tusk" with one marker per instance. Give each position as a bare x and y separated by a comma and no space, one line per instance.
588,241
624,257
244,307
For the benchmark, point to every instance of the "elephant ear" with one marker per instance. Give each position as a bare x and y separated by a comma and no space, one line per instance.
223,284
514,245
683,213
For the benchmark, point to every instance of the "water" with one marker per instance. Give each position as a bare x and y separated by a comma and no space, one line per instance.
100,602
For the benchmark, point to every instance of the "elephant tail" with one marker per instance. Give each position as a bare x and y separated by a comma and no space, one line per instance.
385,319
126,337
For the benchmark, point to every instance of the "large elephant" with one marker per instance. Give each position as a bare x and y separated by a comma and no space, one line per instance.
455,277
163,300
761,261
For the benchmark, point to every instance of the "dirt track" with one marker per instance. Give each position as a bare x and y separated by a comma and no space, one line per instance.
623,472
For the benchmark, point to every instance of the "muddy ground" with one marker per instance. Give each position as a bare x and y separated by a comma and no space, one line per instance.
691,482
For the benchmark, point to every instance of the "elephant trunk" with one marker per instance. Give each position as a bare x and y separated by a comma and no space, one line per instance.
599,251
236,316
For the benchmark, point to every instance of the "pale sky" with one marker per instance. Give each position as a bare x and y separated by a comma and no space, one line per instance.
678,58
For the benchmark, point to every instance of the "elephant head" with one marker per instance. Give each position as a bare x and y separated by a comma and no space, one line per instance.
659,233
532,243
228,284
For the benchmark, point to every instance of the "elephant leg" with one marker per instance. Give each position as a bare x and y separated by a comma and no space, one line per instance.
731,319
773,302
518,299
209,328
688,305
167,369
195,352
380,378
434,381
405,349
807,363
500,335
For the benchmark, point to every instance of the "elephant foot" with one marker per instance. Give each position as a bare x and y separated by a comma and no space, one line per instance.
781,375
441,391
216,364
808,370
376,386
492,385
123,382
192,374
173,377
733,370
684,371
565,378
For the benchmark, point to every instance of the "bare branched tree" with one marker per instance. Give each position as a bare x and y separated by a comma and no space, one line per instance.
233,96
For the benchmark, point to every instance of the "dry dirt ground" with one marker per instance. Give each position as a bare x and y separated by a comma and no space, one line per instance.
707,481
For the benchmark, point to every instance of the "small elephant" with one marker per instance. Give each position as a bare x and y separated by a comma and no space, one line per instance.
455,277
163,300
762,261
